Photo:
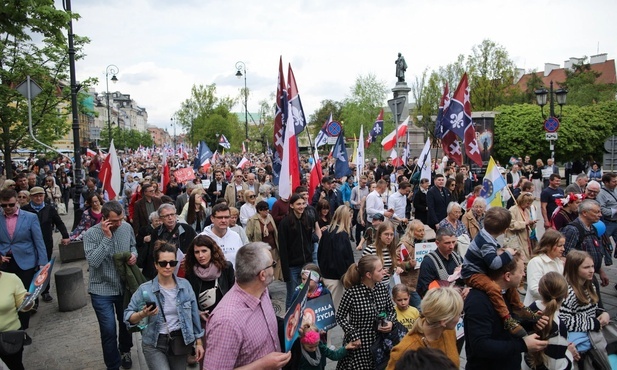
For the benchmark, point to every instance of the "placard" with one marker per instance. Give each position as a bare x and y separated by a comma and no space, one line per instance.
184,175
293,319
320,311
39,283
422,249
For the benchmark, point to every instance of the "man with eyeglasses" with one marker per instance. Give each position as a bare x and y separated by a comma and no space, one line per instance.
233,189
592,190
242,330
48,219
22,249
143,207
229,240
106,289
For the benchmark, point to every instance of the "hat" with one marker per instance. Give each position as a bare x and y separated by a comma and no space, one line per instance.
37,190
8,183
378,216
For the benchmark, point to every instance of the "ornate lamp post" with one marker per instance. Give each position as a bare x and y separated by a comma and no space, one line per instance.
241,71
551,123
113,70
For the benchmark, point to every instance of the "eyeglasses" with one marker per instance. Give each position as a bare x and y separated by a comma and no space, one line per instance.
592,191
5,205
273,265
166,263
167,216
22,196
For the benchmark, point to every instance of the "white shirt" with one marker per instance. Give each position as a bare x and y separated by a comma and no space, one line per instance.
374,204
247,211
398,202
229,243
536,268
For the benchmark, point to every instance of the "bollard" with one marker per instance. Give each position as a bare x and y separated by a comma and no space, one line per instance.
70,289
74,251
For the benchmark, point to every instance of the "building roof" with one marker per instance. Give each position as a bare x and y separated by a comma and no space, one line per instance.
558,75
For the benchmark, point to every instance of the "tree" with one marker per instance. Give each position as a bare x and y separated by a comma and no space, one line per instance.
583,86
319,117
427,99
519,131
491,73
367,97
44,61
453,72
206,116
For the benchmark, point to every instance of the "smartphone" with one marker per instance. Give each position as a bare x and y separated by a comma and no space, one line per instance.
151,305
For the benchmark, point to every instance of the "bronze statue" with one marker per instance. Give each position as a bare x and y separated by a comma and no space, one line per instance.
401,67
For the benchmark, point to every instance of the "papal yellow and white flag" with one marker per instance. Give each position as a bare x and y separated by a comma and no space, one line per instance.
493,183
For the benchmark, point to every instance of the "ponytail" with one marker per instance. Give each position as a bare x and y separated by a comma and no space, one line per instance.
355,272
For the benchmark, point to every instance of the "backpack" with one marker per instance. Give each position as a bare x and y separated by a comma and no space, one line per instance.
603,240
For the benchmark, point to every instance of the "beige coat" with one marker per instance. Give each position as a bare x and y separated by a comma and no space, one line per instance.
230,193
253,232
517,236
472,225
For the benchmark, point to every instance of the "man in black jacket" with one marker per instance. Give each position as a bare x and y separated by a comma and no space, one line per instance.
48,218
217,187
437,200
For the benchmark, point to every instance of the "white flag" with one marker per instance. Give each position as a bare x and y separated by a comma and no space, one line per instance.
425,161
360,154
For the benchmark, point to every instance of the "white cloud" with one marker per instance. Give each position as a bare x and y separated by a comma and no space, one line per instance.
162,48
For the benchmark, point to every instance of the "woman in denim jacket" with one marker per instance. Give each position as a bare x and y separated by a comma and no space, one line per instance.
175,314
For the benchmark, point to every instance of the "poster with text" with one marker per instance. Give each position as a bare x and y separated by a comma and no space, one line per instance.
422,249
184,174
320,311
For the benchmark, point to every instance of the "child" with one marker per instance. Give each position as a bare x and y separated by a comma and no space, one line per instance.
312,274
314,352
482,256
405,314
560,354
369,233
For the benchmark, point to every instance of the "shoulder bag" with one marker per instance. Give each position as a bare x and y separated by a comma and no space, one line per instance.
13,341
175,341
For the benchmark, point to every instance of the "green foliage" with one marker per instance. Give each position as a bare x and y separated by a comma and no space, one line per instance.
427,99
45,61
127,139
317,119
583,88
204,115
519,131
491,72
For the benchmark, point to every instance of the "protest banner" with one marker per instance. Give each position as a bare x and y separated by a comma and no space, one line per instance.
422,249
293,319
320,311
39,283
184,174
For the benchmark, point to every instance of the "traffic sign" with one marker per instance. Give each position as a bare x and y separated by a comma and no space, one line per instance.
396,106
551,136
551,124
333,128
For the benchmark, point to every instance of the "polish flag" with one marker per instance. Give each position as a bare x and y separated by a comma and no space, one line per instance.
164,175
316,174
290,169
389,141
110,173
243,162
396,161
90,153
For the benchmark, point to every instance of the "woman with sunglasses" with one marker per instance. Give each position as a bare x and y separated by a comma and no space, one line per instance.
23,197
248,209
53,194
262,228
90,217
171,313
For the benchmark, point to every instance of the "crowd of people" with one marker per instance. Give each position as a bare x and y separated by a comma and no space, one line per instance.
209,245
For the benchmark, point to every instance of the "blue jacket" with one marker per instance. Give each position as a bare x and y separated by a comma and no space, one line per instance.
188,313
27,245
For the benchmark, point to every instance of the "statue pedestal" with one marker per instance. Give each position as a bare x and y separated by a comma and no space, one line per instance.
401,89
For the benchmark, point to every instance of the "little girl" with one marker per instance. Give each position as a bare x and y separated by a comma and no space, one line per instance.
311,274
315,352
405,314
559,354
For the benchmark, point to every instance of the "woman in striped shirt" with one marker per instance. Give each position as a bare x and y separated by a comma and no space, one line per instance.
384,248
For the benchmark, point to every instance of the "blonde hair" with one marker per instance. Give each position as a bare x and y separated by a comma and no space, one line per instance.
341,221
409,232
439,304
233,211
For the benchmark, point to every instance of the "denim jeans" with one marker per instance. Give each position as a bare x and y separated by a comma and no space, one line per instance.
157,358
294,280
414,299
104,307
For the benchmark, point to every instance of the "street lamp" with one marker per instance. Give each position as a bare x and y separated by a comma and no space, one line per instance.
551,123
113,70
174,126
241,71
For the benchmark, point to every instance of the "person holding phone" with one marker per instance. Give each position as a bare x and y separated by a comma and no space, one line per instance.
112,235
171,311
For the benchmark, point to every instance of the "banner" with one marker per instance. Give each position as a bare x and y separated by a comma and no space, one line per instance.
39,283
184,174
320,311
422,249
293,319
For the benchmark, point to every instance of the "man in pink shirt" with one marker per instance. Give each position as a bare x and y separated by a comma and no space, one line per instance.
242,332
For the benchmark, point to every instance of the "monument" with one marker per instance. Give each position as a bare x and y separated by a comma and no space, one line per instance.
399,90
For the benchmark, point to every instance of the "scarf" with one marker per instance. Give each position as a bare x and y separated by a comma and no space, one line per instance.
37,208
265,223
208,273
312,361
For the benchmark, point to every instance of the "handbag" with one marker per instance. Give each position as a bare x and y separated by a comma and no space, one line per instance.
207,298
13,341
175,340
61,209
381,348
596,358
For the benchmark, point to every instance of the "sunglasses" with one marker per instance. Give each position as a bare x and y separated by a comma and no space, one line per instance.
165,263
251,196
9,205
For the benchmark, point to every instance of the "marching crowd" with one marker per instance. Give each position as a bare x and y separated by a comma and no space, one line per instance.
188,264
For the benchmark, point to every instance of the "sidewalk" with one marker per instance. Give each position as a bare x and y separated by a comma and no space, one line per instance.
71,340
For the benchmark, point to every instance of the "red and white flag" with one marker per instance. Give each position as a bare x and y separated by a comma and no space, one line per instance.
389,141
290,168
110,173
164,175
244,162
316,174
90,153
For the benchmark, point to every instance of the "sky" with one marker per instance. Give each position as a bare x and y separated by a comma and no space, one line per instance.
162,48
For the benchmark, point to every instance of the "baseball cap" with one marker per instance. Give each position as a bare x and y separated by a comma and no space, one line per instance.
378,216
